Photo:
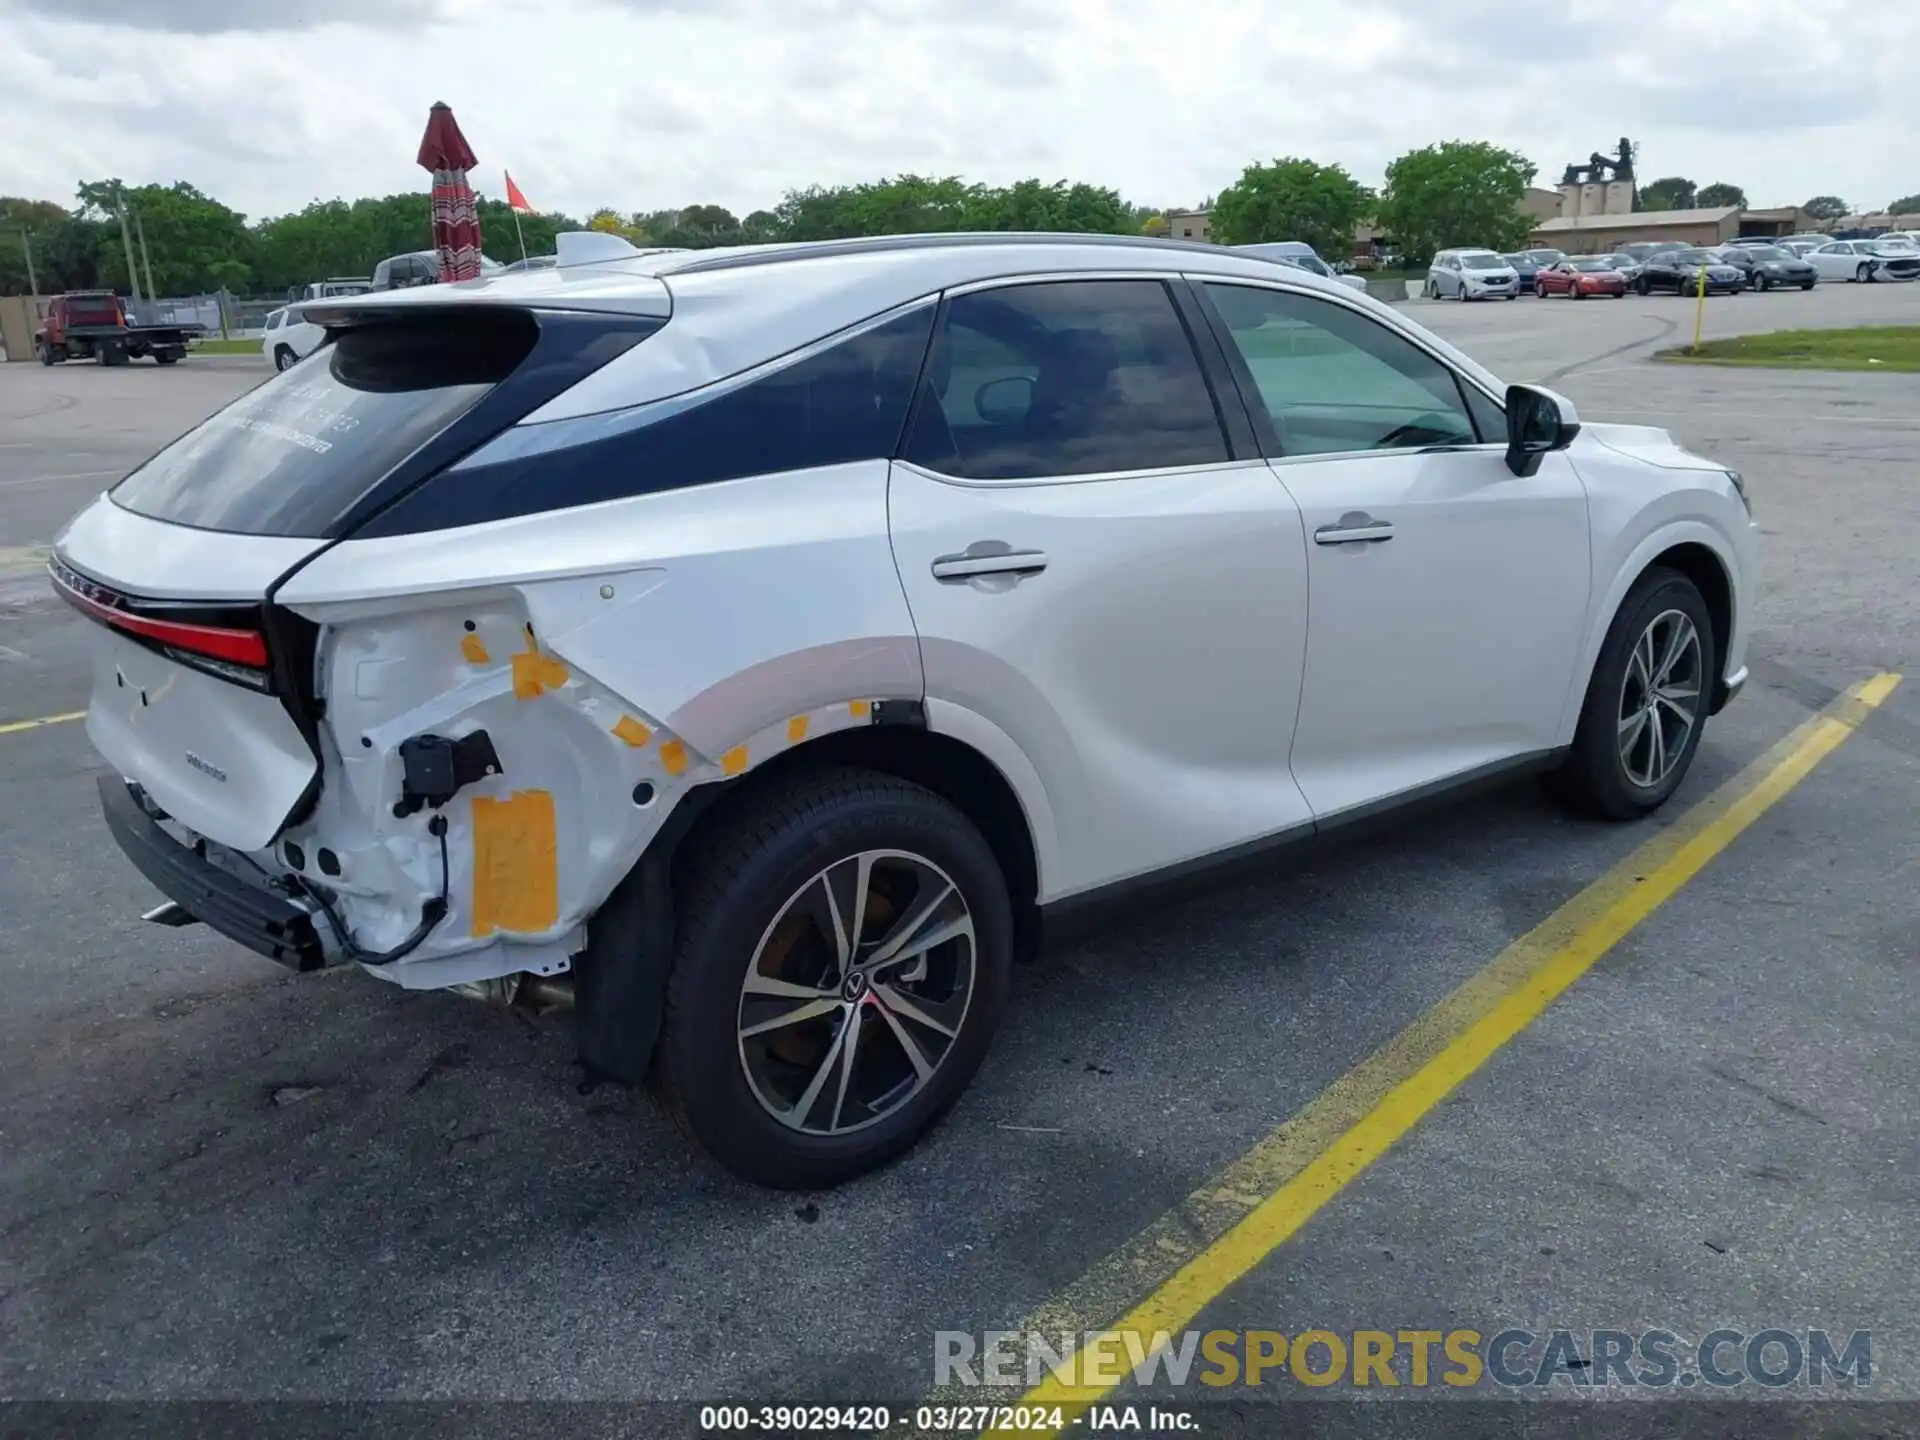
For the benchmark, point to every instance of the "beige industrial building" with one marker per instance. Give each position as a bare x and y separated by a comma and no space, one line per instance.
1188,225
1592,218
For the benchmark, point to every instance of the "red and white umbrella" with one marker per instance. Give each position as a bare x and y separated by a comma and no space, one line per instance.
456,224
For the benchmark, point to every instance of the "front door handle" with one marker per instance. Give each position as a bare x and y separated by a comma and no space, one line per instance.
989,557
1356,527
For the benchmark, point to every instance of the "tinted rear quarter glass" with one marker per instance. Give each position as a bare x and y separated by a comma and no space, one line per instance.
846,401
292,456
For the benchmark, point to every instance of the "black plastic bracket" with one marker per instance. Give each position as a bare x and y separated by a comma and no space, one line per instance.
900,712
434,768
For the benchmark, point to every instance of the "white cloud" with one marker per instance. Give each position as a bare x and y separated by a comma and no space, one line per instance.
642,104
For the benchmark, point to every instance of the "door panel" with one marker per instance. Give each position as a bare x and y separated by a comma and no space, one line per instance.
1452,644
1151,670
1447,598
1091,572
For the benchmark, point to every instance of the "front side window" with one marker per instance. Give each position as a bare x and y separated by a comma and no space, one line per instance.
1334,381
1077,377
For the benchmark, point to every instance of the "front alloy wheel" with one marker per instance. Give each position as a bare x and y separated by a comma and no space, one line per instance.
1659,698
1647,701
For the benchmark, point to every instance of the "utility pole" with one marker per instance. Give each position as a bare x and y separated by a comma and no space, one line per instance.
126,238
33,285
140,227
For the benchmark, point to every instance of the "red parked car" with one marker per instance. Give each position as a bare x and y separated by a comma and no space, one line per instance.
1580,277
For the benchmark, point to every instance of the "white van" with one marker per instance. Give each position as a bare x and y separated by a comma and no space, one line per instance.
1471,275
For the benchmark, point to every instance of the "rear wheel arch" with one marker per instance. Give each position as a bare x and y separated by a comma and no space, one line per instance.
949,768
621,976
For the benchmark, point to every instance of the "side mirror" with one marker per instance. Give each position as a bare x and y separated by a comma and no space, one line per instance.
1538,422
1004,401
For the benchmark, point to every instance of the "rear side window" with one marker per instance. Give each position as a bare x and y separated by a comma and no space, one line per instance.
292,456
845,402
1071,378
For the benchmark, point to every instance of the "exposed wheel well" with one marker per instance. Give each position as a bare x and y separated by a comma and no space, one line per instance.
1703,568
952,770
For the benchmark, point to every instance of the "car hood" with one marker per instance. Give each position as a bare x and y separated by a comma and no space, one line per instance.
1648,443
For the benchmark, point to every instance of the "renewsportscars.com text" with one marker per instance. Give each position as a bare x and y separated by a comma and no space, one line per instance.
1511,1358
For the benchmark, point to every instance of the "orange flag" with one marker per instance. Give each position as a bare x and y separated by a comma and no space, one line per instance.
515,200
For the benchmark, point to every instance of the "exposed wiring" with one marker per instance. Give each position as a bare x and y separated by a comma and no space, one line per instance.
431,914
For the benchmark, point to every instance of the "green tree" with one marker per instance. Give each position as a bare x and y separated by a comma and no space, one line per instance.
48,231
1672,192
187,233
1826,207
1462,192
1294,199
1718,194
1905,205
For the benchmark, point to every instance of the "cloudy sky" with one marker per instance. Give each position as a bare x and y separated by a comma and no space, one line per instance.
642,104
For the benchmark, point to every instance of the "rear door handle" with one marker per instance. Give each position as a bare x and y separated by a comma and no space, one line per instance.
989,557
1356,527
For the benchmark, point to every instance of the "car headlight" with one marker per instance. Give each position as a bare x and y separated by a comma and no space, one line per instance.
1740,485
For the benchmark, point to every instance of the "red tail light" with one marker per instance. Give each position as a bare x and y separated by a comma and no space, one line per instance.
184,629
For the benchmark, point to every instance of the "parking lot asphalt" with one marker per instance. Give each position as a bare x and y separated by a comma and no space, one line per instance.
224,1181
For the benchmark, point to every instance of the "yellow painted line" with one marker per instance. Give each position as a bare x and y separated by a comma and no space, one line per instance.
13,726
1190,1256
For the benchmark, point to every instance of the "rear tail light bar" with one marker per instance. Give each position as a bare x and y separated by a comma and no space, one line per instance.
223,640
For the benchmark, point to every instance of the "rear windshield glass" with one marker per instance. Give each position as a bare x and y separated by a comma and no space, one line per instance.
93,310
292,456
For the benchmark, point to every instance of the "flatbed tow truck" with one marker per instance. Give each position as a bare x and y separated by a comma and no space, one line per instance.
93,325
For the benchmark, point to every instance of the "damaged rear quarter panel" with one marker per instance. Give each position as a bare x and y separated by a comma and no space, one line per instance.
671,639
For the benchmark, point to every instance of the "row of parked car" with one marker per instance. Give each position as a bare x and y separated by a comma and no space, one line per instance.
1647,266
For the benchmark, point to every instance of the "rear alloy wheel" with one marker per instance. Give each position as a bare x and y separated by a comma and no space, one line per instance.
1647,702
842,960
283,358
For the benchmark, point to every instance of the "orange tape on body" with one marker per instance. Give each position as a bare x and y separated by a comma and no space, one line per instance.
516,863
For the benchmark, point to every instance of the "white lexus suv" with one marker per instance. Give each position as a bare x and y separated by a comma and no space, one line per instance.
765,643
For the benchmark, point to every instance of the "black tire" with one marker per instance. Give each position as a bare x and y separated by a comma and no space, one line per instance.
1806,284
1863,273
165,357
735,885
1761,282
47,356
284,358
1594,778
1643,286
